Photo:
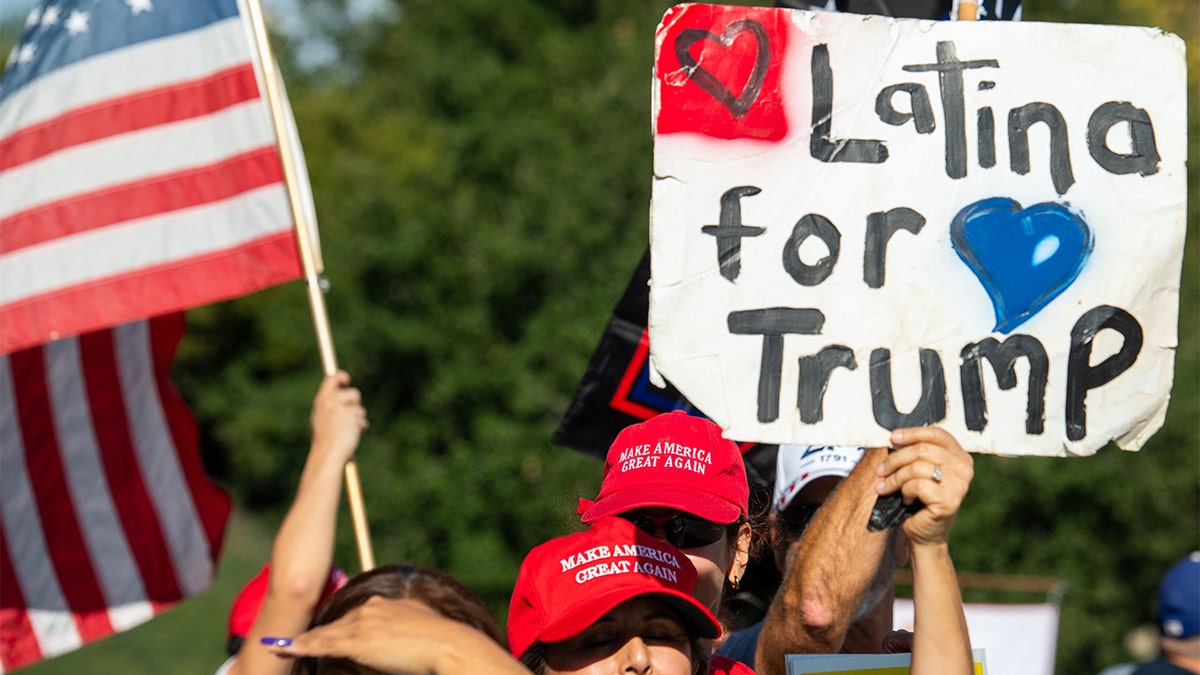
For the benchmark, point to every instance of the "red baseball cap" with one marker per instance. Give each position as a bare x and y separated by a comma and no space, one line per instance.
566,584
250,600
673,460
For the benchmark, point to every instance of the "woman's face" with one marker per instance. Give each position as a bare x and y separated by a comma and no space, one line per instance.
642,635
714,562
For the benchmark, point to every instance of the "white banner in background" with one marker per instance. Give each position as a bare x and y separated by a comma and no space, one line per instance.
1020,639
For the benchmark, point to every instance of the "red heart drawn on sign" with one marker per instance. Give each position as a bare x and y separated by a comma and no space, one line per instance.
718,71
739,104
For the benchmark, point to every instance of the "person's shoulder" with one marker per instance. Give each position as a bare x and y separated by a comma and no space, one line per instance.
741,645
742,638
725,666
1159,666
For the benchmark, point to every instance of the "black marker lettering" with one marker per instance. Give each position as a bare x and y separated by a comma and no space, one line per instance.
918,103
730,231
929,409
822,145
1143,156
986,127
1019,121
880,228
814,379
812,224
1082,377
950,81
1003,358
773,323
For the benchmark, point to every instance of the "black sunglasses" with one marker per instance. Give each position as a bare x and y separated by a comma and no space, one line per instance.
681,530
796,516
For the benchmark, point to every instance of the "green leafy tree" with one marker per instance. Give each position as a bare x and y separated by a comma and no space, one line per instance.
482,184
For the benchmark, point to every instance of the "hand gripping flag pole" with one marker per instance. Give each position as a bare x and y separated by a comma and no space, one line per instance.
311,265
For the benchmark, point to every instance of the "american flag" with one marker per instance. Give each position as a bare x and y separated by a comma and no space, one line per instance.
138,167
106,515
139,175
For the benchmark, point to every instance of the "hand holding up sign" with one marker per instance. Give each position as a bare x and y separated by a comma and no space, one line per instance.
927,464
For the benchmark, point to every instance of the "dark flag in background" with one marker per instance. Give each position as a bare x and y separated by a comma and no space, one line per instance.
616,390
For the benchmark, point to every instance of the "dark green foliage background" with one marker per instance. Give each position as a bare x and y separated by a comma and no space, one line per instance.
482,174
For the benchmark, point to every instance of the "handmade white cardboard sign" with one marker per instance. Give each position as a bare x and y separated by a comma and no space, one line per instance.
862,223
865,664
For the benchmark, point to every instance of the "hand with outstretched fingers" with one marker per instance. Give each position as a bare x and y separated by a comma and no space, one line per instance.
401,636
927,464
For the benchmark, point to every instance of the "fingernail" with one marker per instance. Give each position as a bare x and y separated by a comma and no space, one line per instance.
276,641
879,469
878,488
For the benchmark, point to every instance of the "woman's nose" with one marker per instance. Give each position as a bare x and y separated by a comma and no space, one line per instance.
635,656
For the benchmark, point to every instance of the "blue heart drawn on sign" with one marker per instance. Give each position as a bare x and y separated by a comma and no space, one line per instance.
1023,257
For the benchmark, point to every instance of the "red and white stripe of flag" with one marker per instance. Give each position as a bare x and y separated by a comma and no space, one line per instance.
141,181
106,515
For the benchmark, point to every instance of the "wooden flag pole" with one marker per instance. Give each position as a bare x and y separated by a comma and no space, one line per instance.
968,10
316,296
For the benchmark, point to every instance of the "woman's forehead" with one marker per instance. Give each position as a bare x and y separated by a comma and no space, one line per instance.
641,608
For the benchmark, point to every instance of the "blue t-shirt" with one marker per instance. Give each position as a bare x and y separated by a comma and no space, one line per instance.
1160,666
740,646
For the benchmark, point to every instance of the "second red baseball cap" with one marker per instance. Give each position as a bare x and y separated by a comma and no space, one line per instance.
673,460
250,599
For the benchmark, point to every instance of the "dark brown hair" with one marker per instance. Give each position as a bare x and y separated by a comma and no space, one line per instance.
439,591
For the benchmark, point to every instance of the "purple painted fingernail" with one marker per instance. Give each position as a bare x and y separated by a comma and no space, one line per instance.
276,641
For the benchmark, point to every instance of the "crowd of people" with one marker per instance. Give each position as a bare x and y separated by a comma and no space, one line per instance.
641,586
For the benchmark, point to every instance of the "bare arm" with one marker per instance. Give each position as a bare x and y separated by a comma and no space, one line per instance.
940,643
405,636
303,551
829,570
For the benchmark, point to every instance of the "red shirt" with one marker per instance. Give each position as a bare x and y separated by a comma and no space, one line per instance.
725,666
